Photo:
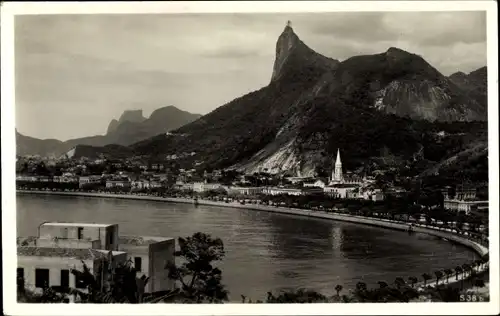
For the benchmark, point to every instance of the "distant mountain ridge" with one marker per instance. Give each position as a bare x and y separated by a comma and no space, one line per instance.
130,128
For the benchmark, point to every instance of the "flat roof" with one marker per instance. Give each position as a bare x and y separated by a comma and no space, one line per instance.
77,253
141,240
76,224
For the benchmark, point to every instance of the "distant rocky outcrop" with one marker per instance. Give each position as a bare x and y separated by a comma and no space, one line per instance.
130,128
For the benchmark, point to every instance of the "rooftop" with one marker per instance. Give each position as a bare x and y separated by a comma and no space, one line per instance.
82,254
343,185
76,224
141,240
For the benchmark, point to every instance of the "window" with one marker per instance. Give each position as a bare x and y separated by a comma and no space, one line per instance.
80,232
138,263
20,277
110,237
79,284
65,233
42,278
65,278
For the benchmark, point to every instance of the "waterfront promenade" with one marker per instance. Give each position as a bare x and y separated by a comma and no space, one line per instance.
445,233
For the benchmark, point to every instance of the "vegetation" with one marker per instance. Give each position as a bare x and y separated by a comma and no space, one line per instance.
200,280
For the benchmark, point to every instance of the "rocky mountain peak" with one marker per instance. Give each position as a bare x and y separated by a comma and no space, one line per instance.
134,116
292,55
397,54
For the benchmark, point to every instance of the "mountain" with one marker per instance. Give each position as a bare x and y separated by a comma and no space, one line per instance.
474,83
392,103
133,116
131,127
26,145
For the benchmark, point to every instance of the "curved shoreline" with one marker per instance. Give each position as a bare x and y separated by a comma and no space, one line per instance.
384,223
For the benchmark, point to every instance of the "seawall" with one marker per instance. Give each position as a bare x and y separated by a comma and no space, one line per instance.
384,223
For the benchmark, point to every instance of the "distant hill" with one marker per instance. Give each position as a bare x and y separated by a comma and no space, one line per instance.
393,102
130,128
26,145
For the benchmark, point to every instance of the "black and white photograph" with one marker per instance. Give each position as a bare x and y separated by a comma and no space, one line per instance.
202,156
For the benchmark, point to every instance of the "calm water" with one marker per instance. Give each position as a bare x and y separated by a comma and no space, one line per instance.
264,251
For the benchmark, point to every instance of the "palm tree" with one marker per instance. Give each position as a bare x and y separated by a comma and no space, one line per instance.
338,289
439,275
458,270
448,273
478,263
426,278
465,268
413,280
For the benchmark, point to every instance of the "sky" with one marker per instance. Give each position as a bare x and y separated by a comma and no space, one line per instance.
75,73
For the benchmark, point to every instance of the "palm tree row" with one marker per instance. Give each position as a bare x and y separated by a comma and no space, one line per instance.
466,270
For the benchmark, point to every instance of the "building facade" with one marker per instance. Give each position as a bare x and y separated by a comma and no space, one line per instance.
150,256
48,259
89,180
236,190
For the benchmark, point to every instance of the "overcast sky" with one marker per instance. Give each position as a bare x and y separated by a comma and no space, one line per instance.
74,73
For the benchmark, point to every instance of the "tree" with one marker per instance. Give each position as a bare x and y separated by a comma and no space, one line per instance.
426,278
458,270
338,289
439,275
200,281
449,273
413,280
399,282
465,269
297,296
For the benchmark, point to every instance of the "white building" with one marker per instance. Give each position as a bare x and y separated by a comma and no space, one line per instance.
65,179
291,191
315,184
466,206
237,190
89,180
27,178
343,191
60,247
204,187
118,184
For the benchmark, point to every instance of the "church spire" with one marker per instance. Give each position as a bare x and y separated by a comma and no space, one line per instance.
338,162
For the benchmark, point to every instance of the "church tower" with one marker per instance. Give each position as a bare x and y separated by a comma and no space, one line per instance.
337,175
